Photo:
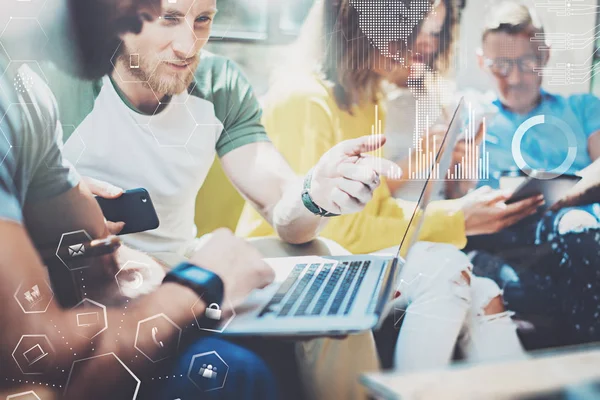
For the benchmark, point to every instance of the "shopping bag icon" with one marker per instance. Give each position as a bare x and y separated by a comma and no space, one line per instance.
213,312
76,250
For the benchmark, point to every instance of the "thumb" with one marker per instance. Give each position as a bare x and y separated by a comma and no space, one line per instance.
103,189
115,227
365,144
497,196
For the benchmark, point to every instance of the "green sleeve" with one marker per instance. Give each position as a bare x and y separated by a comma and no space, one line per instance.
240,112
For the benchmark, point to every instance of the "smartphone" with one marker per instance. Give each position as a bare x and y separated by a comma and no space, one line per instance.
552,189
134,207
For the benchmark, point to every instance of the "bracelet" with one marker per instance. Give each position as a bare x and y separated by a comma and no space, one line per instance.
308,201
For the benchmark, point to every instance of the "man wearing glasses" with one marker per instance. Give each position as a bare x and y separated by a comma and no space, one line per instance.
514,61
550,284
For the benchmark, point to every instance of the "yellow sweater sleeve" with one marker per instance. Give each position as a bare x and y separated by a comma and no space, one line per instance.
384,222
303,129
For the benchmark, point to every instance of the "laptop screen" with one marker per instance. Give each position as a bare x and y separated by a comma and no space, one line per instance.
437,169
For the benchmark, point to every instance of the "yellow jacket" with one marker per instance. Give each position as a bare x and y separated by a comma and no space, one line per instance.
303,121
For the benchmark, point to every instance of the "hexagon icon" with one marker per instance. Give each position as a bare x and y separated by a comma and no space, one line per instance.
34,296
127,389
20,77
90,319
131,278
30,395
208,371
34,354
162,128
214,319
72,249
16,27
134,63
152,341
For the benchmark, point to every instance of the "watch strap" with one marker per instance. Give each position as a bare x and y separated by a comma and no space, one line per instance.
309,202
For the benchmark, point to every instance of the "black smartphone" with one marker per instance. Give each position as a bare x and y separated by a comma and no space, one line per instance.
134,207
552,189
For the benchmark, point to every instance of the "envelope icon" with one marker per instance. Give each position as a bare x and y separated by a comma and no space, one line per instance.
76,250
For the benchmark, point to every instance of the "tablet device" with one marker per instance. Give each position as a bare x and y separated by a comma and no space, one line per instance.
552,189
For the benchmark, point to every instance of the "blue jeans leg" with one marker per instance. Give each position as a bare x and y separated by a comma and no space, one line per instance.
205,366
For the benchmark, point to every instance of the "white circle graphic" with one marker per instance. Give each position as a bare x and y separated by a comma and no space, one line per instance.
530,123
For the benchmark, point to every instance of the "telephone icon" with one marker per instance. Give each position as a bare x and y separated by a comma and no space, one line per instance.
159,343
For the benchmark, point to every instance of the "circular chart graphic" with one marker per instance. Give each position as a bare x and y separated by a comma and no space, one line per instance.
538,120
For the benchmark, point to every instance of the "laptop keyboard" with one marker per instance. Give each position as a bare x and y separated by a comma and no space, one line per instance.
316,289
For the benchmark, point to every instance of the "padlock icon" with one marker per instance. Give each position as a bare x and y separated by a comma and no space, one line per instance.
213,312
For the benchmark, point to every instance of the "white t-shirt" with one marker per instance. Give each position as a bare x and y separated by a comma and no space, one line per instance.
169,153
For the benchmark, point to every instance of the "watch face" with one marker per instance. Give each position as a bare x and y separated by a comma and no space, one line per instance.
195,274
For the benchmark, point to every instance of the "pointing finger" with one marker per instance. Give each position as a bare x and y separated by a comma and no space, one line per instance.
365,144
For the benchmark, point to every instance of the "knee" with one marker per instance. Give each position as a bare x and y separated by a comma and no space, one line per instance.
486,297
244,363
441,267
241,364
576,220
441,260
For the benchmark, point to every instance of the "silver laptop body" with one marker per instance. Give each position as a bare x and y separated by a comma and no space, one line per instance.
331,295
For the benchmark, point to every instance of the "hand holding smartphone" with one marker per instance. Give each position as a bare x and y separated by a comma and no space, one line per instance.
133,207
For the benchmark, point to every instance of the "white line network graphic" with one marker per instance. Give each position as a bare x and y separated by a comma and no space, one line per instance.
567,8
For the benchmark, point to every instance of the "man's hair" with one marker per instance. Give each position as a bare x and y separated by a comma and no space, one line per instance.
95,26
513,18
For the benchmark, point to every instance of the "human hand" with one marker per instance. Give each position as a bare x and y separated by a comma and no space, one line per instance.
586,191
239,265
486,212
344,179
107,191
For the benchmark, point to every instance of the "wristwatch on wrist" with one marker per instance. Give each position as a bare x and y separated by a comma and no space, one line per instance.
205,283
308,201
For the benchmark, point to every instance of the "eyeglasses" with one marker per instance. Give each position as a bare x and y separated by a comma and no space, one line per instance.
503,66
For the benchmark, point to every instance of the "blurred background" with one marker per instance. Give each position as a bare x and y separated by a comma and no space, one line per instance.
257,34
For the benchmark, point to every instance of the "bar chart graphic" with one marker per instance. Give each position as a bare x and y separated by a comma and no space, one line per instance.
472,164
376,130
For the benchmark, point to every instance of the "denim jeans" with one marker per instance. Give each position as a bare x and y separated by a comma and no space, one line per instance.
549,278
212,368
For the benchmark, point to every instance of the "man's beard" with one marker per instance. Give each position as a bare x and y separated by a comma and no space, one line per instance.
162,83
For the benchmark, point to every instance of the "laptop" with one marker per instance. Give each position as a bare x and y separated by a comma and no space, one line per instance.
333,295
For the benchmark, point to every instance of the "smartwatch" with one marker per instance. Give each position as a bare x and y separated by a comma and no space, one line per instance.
308,201
205,283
